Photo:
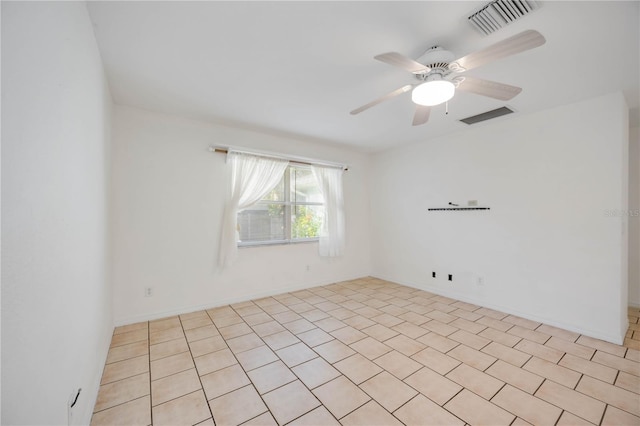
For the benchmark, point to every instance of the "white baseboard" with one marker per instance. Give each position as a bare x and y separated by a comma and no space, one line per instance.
228,301
617,339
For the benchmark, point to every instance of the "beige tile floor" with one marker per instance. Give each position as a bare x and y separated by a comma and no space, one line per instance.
365,352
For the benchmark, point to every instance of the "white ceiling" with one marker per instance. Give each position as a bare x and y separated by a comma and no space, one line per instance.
298,68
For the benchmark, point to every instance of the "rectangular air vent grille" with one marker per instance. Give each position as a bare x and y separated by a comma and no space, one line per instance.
487,115
500,13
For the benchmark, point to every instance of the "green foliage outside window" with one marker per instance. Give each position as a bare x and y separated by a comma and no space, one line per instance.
306,224
275,210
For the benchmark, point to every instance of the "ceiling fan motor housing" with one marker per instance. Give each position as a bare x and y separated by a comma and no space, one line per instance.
436,57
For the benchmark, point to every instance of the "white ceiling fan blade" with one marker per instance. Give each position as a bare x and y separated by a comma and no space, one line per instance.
398,60
518,43
396,92
421,115
492,89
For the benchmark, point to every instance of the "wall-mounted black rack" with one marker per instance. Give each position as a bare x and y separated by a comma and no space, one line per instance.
458,208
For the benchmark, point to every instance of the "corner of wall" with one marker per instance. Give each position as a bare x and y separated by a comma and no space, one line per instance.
634,217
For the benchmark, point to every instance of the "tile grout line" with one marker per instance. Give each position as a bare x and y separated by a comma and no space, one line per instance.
123,360
532,395
544,379
561,408
167,356
149,357
604,412
561,413
126,378
120,404
125,344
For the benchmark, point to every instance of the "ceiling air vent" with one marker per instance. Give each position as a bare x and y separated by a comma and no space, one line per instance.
500,13
487,115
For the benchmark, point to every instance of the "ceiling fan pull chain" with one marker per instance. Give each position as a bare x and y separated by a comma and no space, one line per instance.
446,108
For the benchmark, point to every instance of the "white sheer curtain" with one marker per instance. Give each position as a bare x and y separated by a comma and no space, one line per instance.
252,177
332,229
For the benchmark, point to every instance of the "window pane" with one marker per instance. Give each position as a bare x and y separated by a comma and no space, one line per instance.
277,193
304,188
306,221
282,214
262,222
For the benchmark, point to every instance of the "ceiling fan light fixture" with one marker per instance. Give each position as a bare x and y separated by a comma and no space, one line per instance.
433,92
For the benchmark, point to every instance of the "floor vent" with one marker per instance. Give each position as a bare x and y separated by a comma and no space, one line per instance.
500,13
487,115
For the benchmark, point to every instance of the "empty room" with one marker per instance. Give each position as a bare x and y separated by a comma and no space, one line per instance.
320,213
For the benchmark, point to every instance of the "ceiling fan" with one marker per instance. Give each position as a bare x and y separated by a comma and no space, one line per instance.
436,72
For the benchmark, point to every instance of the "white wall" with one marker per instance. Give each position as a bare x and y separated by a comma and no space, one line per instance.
169,194
634,219
56,295
546,249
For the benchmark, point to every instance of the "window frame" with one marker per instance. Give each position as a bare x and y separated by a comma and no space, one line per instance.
288,206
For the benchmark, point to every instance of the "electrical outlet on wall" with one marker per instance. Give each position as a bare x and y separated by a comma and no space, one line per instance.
480,280
148,291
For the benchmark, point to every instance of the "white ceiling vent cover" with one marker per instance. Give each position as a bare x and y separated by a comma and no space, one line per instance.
500,13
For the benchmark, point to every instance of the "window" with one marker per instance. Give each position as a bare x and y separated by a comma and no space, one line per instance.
291,212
